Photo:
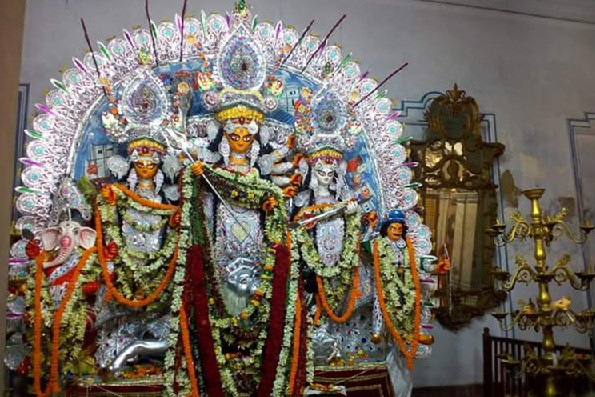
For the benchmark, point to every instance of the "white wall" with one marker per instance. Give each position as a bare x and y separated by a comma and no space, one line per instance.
533,73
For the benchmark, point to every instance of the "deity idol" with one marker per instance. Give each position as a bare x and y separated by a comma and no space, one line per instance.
237,231
395,257
350,338
326,187
135,253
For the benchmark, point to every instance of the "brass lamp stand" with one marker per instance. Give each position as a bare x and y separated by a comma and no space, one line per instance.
544,229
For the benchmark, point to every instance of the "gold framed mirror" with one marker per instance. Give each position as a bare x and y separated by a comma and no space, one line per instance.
459,198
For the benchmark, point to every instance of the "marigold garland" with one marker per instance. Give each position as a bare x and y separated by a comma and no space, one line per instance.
409,354
318,312
108,280
188,351
353,296
144,201
52,385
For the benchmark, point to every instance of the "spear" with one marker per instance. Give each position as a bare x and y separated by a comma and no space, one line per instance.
152,32
381,83
322,43
298,42
86,33
182,29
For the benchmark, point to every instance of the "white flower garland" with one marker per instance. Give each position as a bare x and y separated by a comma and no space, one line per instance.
249,192
399,289
176,297
283,366
349,254
143,274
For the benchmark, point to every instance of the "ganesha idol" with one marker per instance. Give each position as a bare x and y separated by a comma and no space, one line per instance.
233,240
65,242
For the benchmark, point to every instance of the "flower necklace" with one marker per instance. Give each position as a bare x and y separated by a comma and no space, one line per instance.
139,269
105,213
408,353
267,313
349,254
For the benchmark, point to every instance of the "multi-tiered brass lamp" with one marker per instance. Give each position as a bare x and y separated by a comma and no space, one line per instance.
545,315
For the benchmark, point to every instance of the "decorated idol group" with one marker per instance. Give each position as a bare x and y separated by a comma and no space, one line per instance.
213,211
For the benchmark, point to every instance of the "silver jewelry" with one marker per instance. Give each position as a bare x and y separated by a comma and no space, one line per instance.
171,167
225,150
254,150
158,179
118,166
132,179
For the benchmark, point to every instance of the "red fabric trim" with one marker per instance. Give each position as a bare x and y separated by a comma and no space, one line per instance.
300,381
274,340
206,343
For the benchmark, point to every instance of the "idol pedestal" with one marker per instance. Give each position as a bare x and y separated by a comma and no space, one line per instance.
362,380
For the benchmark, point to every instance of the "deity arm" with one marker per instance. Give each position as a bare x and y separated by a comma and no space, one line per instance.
274,163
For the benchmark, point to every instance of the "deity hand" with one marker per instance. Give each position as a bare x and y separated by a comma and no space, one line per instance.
352,207
277,166
289,191
269,204
175,219
197,168
308,222
108,195
290,141
32,249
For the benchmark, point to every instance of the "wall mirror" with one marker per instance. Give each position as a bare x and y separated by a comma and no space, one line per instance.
459,197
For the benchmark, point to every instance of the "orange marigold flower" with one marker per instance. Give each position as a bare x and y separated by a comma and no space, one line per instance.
269,204
108,195
197,168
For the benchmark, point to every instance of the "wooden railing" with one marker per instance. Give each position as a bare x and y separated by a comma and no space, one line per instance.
498,380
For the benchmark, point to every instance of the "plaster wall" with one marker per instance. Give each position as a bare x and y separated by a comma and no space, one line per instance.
532,73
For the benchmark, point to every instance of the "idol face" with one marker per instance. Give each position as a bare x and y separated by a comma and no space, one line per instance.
324,173
145,168
240,134
394,231
240,140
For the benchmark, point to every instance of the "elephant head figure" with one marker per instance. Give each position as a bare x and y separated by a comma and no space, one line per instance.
65,237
